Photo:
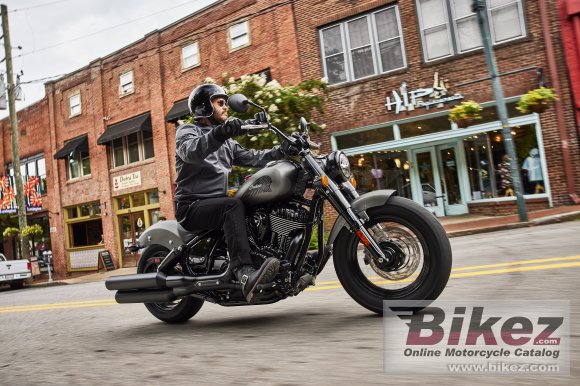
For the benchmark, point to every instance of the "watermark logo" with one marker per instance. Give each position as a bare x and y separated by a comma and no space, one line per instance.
477,337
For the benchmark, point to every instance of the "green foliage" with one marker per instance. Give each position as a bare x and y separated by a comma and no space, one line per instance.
314,239
533,99
10,232
468,110
32,230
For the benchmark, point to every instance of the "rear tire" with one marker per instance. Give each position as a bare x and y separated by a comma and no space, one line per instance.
429,236
179,311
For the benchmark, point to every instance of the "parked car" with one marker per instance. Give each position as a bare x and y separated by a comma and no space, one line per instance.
14,272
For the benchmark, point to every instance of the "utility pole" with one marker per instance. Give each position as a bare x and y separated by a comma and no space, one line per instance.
480,8
14,135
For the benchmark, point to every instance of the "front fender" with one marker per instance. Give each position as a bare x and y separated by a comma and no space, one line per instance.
166,233
360,205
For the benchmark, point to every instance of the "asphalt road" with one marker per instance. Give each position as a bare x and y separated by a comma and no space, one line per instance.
76,334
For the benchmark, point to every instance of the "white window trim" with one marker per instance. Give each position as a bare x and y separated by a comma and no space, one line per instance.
79,159
141,147
453,41
373,33
70,105
183,57
132,90
231,38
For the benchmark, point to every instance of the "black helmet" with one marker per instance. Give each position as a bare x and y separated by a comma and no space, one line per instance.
201,97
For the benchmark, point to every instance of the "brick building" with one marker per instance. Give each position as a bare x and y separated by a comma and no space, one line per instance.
396,67
106,131
570,19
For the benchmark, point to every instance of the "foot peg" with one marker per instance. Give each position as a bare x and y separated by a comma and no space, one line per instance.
304,282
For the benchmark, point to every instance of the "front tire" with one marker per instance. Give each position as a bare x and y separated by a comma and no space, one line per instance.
422,235
179,311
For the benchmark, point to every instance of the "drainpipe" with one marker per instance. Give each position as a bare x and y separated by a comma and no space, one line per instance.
559,109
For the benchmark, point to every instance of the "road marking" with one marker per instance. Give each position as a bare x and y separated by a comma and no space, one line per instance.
328,285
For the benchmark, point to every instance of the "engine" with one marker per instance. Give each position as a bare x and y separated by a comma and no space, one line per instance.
272,232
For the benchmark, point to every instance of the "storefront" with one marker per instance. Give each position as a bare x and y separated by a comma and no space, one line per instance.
134,213
449,170
84,236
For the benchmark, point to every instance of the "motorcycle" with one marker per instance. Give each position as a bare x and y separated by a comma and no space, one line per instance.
384,247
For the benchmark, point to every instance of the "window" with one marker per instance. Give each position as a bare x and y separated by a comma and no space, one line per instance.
33,166
449,27
190,56
366,45
126,83
75,104
132,148
128,201
78,164
382,170
84,227
239,35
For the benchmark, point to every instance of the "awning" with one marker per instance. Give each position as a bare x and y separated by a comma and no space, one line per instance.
179,110
132,125
77,144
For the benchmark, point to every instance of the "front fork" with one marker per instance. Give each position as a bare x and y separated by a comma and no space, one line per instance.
333,193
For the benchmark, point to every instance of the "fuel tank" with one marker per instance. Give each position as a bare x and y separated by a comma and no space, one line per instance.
275,182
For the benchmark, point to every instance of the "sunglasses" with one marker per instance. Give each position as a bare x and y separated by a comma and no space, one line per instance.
221,102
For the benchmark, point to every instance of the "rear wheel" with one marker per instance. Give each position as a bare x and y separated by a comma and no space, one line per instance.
178,311
418,251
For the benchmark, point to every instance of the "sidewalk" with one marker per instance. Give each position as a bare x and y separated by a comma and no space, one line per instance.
454,225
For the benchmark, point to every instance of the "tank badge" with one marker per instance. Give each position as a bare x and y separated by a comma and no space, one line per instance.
262,185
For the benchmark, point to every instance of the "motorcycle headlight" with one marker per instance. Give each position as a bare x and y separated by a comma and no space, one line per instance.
338,166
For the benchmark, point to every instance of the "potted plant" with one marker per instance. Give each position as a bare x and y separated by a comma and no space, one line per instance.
537,101
465,113
10,232
32,232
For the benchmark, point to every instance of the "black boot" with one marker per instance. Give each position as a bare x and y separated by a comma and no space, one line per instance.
250,277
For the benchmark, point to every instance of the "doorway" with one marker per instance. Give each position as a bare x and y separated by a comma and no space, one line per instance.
436,180
131,225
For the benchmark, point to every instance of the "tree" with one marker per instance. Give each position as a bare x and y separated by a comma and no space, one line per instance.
32,231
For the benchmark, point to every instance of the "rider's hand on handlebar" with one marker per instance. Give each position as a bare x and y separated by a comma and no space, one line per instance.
292,149
230,128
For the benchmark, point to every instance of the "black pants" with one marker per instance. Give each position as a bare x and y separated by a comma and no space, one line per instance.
212,213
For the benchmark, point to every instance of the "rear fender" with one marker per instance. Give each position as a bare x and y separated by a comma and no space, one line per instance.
360,206
164,233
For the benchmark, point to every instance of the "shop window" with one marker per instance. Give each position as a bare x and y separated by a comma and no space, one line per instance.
138,199
84,225
126,83
78,164
33,166
190,56
489,114
132,148
74,104
239,35
427,126
449,27
366,45
382,170
153,197
488,166
154,216
362,138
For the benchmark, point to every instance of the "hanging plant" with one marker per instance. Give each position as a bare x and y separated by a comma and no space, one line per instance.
10,232
466,113
32,230
537,101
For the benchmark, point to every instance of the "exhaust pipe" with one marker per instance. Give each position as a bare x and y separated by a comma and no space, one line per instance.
145,296
136,282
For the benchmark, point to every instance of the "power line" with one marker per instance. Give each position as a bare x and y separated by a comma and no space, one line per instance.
100,31
198,34
38,6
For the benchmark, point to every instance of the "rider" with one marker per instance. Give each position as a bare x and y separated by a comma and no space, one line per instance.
205,153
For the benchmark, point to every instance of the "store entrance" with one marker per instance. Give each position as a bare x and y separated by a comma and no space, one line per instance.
436,180
131,226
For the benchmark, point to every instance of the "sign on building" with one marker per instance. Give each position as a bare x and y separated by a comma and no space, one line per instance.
127,181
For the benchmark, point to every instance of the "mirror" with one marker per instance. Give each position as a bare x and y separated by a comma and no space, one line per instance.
303,125
239,103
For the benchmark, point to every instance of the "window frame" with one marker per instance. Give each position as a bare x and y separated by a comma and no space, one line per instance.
374,44
183,57
125,141
232,37
24,164
79,158
121,84
453,31
71,106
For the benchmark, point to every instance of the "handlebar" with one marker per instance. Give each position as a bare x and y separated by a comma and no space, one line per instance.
255,127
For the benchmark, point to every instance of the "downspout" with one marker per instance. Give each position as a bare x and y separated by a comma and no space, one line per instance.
559,109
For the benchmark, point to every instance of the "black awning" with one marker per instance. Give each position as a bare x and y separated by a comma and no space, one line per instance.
77,144
179,110
132,125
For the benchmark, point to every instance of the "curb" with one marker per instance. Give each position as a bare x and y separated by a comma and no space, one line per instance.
47,284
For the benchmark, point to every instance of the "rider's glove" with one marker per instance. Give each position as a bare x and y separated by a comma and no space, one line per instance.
230,128
292,149
261,117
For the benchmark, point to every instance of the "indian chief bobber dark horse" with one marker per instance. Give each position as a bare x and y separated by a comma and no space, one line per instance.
384,247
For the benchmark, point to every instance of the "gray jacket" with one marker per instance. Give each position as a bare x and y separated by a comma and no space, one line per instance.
203,163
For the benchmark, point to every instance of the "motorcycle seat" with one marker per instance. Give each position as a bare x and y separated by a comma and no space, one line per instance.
186,235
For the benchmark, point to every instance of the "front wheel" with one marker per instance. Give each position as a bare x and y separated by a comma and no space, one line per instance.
179,311
419,252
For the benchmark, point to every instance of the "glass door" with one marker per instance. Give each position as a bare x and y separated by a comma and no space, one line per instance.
131,225
453,201
426,186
